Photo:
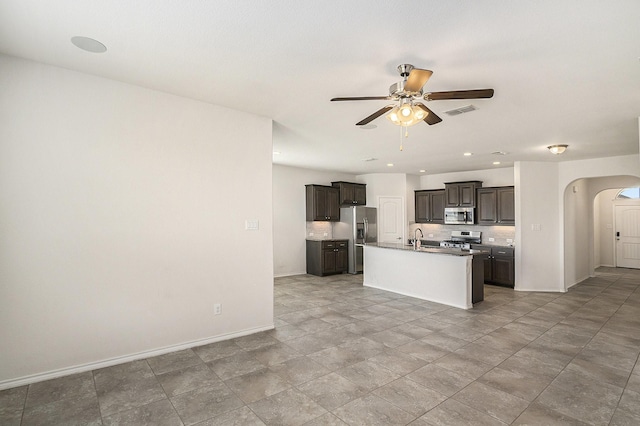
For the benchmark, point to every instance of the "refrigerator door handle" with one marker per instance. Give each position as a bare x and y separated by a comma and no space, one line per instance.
366,231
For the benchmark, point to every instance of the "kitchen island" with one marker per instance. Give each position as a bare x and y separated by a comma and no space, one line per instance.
449,276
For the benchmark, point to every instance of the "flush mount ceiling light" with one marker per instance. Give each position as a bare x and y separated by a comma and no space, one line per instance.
88,44
557,149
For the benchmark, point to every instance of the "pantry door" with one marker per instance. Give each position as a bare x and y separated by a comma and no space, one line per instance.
391,219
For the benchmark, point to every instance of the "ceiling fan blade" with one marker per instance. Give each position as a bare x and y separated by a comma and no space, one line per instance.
459,94
363,98
375,115
431,117
417,79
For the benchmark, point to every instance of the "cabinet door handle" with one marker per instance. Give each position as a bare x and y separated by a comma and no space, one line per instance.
502,252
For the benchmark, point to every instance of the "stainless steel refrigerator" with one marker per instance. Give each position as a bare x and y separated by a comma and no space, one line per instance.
358,225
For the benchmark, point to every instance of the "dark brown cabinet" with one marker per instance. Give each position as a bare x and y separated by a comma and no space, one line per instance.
499,266
496,206
351,194
327,257
430,206
461,194
323,203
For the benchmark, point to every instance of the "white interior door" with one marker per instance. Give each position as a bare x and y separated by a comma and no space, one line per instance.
391,219
627,236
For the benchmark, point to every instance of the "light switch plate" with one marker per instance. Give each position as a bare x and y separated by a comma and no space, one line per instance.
251,224
536,227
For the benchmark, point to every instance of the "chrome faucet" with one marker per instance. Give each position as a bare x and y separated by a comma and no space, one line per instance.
415,238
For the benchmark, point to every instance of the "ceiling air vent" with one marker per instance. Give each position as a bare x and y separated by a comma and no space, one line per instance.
461,110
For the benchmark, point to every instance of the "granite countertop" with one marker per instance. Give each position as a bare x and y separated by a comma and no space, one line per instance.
429,249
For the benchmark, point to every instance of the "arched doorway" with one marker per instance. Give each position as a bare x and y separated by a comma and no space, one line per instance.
582,241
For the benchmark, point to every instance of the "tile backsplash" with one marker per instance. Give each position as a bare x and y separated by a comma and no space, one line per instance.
320,230
500,234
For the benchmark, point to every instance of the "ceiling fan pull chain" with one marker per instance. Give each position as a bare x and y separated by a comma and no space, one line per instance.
400,138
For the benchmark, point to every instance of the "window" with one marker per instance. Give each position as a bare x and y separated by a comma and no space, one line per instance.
629,193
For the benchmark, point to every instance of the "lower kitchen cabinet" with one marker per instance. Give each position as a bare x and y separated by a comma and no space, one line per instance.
499,266
327,257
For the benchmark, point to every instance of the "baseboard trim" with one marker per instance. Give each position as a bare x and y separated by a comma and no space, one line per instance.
542,290
53,374
289,274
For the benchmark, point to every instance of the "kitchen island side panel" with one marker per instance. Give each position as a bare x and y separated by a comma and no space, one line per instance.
435,277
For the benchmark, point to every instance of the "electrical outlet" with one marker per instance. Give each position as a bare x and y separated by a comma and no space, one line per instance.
430,235
326,234
509,240
491,239
311,234
217,309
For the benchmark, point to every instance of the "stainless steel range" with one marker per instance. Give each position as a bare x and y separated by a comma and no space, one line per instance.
462,239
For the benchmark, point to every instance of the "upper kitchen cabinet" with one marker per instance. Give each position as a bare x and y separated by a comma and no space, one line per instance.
351,194
461,194
323,203
496,206
430,206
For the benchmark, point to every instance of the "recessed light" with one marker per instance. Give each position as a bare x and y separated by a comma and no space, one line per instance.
495,163
389,164
88,44
276,152
468,154
422,171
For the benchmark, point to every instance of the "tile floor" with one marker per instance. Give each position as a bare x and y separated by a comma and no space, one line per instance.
343,354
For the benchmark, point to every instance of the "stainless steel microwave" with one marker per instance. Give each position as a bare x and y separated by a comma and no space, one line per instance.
459,215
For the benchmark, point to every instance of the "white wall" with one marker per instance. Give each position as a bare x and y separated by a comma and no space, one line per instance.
122,217
289,215
578,211
539,253
489,177
384,185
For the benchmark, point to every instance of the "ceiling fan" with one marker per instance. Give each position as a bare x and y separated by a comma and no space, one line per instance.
407,112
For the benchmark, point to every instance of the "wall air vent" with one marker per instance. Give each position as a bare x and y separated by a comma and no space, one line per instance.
461,110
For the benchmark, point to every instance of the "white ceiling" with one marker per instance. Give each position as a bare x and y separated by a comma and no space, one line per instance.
563,71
